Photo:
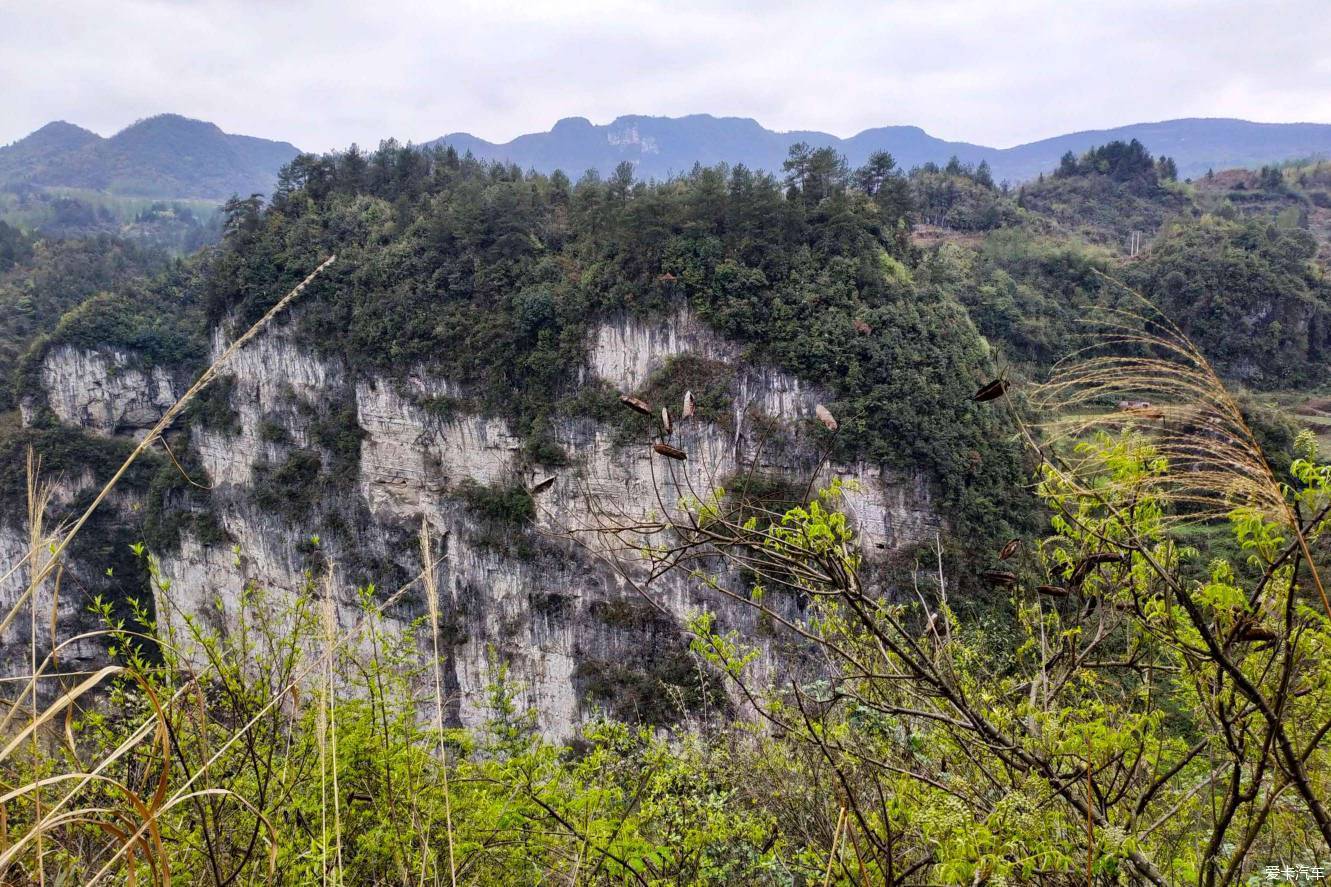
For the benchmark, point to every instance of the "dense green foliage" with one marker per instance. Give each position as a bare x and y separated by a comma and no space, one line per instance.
14,247
1120,161
1028,292
1243,283
1108,195
176,227
494,279
505,504
289,487
1248,294
495,805
103,561
960,197
1143,691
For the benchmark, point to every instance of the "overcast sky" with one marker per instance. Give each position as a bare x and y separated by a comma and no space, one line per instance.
323,75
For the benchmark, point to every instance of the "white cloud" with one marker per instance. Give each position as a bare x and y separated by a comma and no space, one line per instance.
325,74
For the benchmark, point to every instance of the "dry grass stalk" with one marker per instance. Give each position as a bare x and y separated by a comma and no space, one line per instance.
329,703
432,597
836,840
321,741
182,793
39,497
1202,430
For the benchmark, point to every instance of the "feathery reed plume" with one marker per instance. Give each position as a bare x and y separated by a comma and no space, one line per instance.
432,597
1145,374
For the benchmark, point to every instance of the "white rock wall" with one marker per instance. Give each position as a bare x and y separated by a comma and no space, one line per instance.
410,460
102,391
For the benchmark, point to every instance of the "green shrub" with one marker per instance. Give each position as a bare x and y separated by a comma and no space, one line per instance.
289,488
503,504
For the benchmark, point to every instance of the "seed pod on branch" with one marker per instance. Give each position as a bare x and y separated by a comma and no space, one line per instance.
670,452
1089,563
635,404
991,391
1255,632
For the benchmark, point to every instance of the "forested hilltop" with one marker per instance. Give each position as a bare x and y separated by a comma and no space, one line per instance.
496,277
1053,654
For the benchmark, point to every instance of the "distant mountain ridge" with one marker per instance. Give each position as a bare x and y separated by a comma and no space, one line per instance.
661,146
170,156
163,156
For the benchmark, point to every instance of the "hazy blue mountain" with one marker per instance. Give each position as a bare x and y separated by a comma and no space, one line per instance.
660,146
176,157
163,156
1196,144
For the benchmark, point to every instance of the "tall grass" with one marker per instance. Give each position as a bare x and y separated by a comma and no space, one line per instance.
131,824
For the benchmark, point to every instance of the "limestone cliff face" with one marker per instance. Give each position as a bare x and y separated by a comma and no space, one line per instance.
63,624
103,391
892,510
572,632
